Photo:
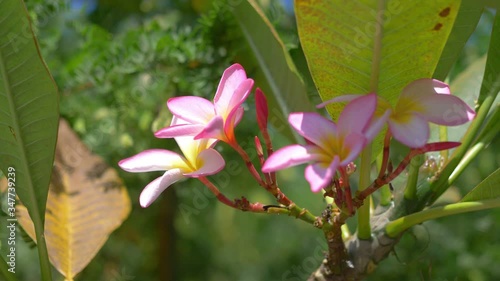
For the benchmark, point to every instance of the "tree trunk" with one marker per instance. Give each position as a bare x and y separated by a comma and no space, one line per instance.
353,259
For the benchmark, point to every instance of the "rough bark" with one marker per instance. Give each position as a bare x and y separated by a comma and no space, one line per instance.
361,256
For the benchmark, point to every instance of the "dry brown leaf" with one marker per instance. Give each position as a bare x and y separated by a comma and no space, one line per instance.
87,201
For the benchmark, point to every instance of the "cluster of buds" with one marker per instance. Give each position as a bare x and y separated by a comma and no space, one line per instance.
330,148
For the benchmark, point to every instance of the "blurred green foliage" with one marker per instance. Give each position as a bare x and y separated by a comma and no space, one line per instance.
116,64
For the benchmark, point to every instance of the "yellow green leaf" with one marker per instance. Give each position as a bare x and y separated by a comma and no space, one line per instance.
358,47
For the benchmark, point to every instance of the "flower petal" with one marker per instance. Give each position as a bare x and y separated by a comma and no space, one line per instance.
289,156
432,99
179,131
153,160
353,144
357,114
314,127
156,187
238,115
231,79
447,110
376,125
319,176
421,89
239,96
213,130
232,119
192,109
343,98
414,132
188,145
209,162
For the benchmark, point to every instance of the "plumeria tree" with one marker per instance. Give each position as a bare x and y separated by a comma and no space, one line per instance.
378,71
331,147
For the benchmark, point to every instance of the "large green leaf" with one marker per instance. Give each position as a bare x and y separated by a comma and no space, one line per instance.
487,189
357,47
28,113
491,78
271,66
467,18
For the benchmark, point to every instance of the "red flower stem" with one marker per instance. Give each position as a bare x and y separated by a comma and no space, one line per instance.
269,148
273,189
248,163
240,205
244,205
381,181
385,158
347,188
260,154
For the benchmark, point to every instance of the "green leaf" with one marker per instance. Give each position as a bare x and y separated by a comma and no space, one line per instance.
347,53
271,66
491,78
4,269
28,115
467,18
358,47
485,195
396,227
487,189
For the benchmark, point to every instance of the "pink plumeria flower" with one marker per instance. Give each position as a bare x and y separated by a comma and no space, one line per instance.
329,146
422,101
199,159
205,119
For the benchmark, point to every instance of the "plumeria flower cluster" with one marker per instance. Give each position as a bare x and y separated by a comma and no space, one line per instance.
330,147
197,125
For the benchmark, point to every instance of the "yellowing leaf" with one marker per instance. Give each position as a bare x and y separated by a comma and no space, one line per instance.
86,202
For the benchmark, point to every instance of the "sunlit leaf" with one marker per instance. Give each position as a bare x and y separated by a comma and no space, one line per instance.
86,202
491,78
487,189
358,47
270,64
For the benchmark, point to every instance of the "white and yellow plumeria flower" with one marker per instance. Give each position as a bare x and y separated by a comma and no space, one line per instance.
199,159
